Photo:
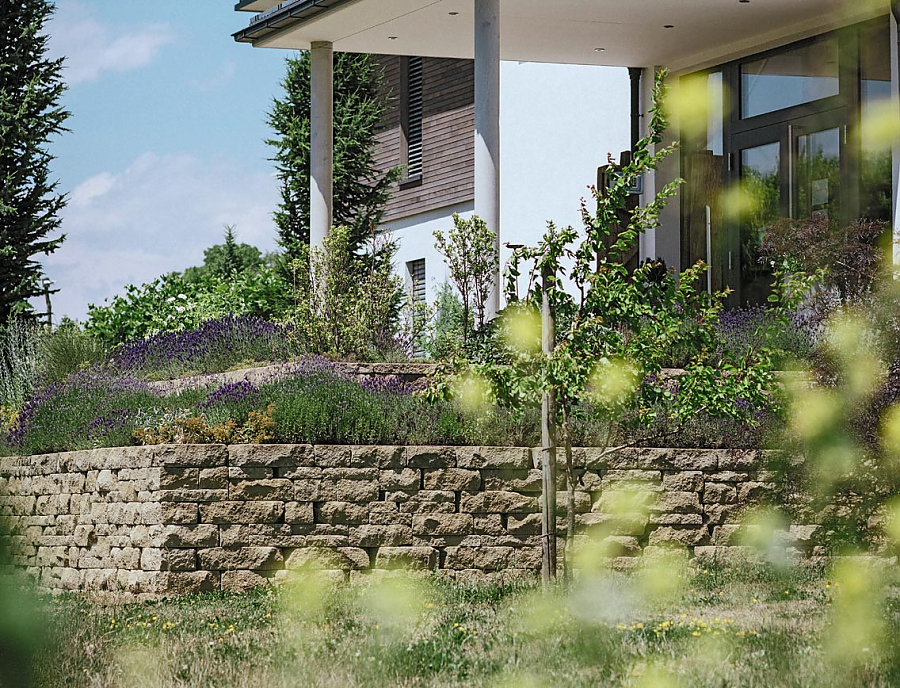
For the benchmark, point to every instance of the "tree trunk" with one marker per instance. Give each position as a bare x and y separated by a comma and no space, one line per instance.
570,495
548,445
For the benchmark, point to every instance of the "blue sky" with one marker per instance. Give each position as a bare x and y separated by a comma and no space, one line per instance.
166,142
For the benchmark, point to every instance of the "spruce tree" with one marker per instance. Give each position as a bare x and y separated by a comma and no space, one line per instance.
231,262
360,188
30,114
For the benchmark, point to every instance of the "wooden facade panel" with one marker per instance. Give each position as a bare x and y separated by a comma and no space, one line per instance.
448,144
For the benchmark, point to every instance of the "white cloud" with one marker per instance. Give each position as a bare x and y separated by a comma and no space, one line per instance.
91,188
156,216
92,47
220,79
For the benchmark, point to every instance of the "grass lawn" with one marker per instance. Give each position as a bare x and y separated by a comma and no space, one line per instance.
717,628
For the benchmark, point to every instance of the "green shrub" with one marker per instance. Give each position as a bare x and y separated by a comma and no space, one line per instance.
66,349
471,254
444,337
173,303
346,306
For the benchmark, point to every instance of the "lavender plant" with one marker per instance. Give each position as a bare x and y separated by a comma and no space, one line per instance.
91,408
743,331
215,346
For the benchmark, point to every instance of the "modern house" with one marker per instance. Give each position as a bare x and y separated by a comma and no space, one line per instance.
554,142
784,89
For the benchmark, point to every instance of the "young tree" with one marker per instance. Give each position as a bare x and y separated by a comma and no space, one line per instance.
30,114
360,188
470,254
615,331
345,314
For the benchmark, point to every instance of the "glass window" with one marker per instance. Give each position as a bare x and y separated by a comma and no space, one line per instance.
875,95
703,234
790,78
761,191
819,174
715,113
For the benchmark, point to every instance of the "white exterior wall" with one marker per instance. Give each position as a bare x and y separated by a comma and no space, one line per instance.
415,241
557,124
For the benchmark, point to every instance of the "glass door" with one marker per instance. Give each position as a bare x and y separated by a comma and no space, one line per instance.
816,172
762,176
791,169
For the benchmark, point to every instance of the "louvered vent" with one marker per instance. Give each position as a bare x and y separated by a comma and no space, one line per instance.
417,277
414,119
416,270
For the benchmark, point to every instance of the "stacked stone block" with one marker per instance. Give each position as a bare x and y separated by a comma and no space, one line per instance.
152,521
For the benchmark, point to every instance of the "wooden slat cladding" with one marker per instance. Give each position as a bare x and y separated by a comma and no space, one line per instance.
448,146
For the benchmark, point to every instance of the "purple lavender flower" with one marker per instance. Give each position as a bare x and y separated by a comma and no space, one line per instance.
751,328
214,346
89,405
231,393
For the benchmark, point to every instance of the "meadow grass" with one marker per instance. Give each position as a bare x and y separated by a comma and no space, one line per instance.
749,627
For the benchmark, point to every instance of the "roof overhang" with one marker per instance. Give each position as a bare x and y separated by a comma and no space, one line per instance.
679,34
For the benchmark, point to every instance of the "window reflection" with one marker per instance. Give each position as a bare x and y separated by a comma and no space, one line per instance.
761,191
790,78
819,174
875,94
703,236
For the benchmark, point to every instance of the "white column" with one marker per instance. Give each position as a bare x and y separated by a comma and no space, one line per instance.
321,153
647,241
895,153
487,127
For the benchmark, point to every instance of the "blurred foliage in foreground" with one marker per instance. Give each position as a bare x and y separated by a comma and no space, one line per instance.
715,627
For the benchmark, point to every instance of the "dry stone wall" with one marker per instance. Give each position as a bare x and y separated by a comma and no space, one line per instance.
403,372
171,519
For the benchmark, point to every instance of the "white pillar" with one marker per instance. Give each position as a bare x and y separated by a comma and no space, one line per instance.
487,128
647,240
321,152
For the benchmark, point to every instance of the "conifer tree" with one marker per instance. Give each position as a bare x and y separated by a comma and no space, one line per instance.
360,188
30,115
231,258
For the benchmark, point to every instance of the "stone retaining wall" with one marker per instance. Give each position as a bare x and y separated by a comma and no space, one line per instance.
404,372
152,521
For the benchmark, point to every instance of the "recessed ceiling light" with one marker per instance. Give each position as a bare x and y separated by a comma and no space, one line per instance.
453,14
745,2
599,50
392,38
669,26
